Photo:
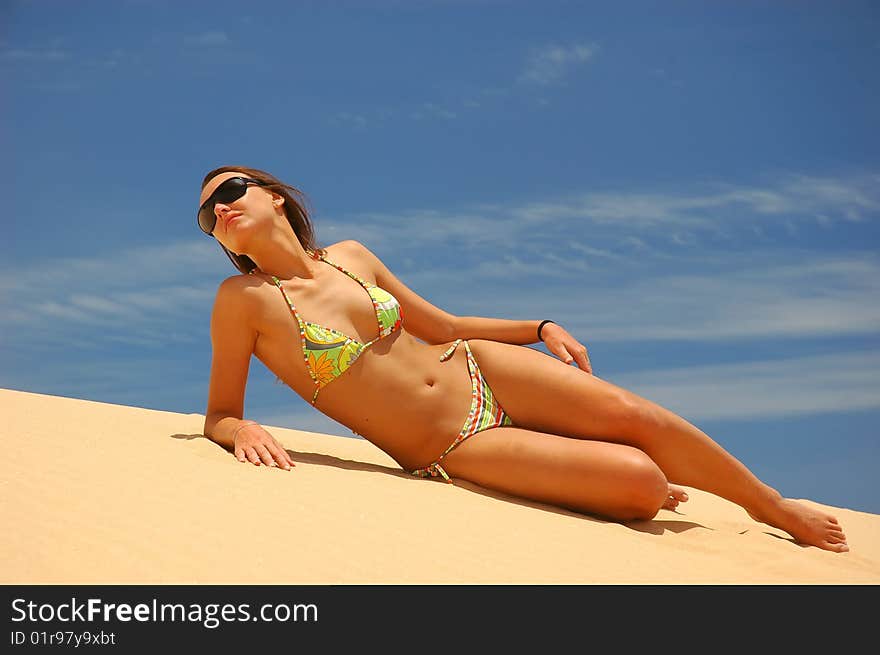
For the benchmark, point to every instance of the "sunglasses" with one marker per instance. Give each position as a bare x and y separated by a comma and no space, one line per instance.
229,191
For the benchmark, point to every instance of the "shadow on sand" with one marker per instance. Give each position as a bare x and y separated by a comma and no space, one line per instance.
654,526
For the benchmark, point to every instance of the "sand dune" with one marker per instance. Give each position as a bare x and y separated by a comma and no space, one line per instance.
95,493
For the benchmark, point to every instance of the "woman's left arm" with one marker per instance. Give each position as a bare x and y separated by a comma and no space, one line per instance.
435,325
555,337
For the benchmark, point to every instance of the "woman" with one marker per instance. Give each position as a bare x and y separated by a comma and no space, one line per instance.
521,422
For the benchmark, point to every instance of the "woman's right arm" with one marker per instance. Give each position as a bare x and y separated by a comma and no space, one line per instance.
233,336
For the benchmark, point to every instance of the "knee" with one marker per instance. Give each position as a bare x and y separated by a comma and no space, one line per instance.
645,489
637,419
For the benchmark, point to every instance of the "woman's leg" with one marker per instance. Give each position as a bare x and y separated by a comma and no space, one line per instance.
611,480
542,394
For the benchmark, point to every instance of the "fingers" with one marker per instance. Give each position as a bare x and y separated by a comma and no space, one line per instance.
580,357
563,353
259,447
247,453
251,454
271,455
280,457
265,456
585,364
568,349
583,359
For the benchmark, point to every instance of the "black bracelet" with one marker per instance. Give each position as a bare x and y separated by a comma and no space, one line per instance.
543,323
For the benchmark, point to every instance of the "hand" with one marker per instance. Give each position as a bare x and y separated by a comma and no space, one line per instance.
566,347
251,441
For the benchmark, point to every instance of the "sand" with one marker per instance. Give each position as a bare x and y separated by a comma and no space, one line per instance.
97,493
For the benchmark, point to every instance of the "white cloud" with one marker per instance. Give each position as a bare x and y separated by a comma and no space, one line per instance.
794,196
149,295
632,225
594,252
357,120
432,110
129,268
549,64
605,264
764,389
49,55
544,66
744,297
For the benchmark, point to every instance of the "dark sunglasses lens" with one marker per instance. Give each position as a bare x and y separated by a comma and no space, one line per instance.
207,220
230,191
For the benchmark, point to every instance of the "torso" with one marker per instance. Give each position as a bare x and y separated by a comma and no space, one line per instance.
398,394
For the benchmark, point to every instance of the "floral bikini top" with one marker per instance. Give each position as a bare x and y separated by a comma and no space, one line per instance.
328,352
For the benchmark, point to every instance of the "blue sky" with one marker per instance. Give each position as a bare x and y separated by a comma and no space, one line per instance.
692,189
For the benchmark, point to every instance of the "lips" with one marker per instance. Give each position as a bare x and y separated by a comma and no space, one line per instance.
232,217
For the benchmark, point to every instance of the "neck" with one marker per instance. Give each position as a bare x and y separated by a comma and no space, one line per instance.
282,255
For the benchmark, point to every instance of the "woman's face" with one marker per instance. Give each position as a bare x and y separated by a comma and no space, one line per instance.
238,220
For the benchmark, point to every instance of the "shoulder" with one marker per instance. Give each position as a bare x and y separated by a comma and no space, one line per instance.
357,255
354,256
240,290
240,283
349,247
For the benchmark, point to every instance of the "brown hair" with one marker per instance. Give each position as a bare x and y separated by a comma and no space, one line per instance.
294,209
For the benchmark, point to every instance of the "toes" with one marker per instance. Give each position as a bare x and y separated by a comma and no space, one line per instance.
675,496
678,493
834,528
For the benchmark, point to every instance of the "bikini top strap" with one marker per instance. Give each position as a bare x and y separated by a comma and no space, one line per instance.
366,285
287,298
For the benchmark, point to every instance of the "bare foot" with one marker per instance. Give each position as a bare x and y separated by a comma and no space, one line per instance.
676,495
808,526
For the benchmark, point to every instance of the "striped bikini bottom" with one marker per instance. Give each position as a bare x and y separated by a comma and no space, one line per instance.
485,412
